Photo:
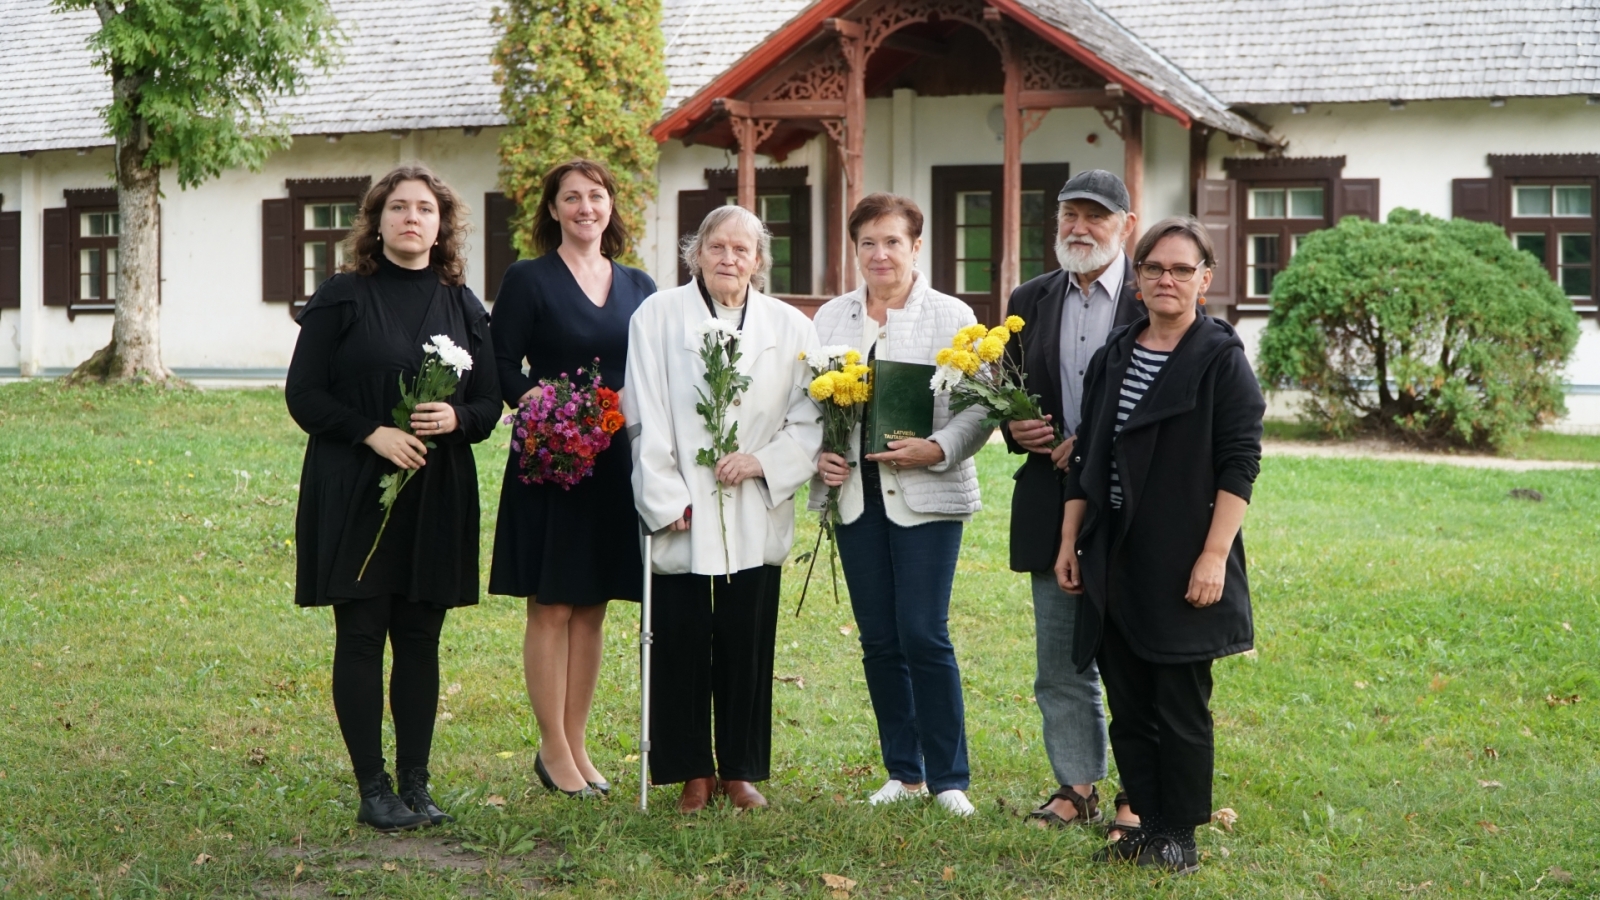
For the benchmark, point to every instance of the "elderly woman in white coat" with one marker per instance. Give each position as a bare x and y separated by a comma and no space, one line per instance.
903,512
714,622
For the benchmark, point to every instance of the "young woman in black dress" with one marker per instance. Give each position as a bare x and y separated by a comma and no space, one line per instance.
569,551
361,332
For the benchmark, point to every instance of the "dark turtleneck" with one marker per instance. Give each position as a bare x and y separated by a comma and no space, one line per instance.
408,291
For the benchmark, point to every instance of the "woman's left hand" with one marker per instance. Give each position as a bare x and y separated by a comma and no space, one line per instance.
910,453
1205,581
433,419
736,467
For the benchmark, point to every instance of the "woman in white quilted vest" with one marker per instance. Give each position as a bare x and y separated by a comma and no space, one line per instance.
903,512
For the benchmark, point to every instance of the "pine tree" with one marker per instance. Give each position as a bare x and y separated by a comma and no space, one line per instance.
580,78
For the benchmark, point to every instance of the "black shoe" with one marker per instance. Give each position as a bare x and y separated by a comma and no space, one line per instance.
550,784
381,807
1163,852
602,788
1125,848
414,794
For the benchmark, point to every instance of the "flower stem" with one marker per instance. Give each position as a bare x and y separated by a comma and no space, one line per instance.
403,477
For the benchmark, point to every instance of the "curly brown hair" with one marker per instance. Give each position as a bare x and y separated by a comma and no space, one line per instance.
547,230
449,255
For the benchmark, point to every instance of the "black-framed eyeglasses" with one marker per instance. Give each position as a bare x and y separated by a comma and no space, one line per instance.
1153,272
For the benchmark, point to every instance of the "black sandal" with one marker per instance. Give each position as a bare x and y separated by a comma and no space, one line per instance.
1128,829
1088,808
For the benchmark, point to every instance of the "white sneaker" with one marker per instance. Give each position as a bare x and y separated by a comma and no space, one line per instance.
956,802
893,790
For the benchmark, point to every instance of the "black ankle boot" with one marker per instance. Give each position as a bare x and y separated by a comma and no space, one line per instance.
414,794
381,809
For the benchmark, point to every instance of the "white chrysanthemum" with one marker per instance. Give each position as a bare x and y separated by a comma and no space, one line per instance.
945,378
447,350
834,352
720,329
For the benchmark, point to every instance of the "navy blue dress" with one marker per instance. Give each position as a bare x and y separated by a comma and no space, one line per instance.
577,546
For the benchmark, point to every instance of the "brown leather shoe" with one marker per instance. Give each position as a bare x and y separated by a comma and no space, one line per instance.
743,794
696,793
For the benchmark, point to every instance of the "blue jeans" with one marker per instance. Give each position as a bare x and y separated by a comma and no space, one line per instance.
1069,701
899,580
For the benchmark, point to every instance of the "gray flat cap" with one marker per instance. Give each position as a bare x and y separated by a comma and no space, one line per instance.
1098,185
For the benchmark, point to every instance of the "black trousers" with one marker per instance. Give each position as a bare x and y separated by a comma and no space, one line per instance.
1161,732
713,644
363,627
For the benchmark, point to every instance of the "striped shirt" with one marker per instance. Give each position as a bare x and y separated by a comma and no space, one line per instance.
1142,370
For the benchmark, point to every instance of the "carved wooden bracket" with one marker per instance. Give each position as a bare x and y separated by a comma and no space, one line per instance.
1112,115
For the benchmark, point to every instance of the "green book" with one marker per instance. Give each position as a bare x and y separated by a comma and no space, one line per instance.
901,406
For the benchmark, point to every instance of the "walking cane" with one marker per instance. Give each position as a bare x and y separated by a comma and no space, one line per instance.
644,679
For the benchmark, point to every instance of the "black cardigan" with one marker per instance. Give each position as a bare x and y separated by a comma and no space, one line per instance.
1197,431
1036,497
355,344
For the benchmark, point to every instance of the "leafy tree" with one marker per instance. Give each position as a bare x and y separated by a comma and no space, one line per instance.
191,81
1433,331
580,78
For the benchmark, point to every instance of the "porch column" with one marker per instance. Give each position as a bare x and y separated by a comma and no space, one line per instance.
853,46
31,309
1133,163
744,131
1011,186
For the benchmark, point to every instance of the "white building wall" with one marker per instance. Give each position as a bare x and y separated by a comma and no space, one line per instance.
1417,151
212,315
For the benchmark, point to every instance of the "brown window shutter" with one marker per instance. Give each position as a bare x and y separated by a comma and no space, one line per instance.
1475,199
1356,197
10,260
693,207
58,257
277,251
1217,208
498,251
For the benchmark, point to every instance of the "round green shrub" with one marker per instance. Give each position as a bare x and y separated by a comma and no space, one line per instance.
1433,331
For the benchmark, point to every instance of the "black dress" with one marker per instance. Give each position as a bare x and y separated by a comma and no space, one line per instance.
358,335
577,546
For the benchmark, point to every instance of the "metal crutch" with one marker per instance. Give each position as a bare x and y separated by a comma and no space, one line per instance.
645,641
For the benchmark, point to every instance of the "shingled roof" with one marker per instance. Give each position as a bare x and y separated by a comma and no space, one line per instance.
1340,51
407,64
704,39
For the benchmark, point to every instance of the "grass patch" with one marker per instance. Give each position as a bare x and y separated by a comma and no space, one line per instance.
169,729
1538,445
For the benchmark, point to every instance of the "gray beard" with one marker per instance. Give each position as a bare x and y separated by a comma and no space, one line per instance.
1077,260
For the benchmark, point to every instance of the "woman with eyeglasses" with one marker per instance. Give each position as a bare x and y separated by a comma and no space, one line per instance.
1158,483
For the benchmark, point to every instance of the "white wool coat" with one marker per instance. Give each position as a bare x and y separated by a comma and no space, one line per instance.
916,333
778,424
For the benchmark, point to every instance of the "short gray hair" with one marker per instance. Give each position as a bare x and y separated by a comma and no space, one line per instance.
719,217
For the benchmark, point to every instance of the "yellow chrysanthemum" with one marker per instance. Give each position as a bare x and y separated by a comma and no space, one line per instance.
967,362
999,333
991,349
822,387
974,333
1014,324
851,357
863,392
944,356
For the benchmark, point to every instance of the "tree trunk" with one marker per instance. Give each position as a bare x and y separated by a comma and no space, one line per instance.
134,353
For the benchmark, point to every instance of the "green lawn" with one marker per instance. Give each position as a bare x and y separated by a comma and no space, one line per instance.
1539,445
1405,729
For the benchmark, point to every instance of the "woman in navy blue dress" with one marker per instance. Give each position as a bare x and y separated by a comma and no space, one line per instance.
568,551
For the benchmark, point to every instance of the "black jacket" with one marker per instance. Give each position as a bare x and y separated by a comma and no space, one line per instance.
1197,431
1036,498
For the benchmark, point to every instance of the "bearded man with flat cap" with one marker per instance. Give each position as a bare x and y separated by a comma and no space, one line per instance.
1069,313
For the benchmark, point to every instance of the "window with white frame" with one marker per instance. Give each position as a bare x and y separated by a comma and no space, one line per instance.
1276,218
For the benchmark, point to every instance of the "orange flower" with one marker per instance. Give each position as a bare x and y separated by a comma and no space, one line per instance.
611,422
607,398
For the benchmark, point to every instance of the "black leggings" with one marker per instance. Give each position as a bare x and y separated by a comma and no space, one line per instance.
413,629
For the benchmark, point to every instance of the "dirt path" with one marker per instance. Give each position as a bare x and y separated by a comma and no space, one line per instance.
1381,451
